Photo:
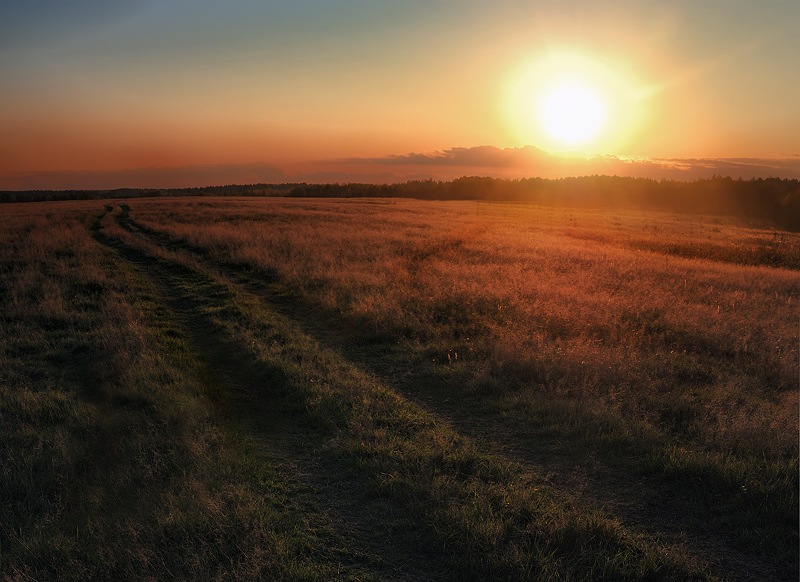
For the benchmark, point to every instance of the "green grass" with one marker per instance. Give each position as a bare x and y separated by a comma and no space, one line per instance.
118,460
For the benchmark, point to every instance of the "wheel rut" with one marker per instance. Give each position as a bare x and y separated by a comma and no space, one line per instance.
635,501
244,398
590,481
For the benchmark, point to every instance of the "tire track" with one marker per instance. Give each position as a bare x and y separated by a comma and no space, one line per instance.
641,506
245,394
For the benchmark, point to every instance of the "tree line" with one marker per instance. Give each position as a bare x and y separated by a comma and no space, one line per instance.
772,200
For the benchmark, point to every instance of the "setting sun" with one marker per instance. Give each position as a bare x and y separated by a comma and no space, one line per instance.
564,98
572,112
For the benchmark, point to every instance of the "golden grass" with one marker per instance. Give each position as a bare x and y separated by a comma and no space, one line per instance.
646,347
558,300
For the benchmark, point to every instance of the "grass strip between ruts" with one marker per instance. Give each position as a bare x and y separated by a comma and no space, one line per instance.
478,511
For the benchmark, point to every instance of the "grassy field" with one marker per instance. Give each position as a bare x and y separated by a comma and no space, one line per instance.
395,390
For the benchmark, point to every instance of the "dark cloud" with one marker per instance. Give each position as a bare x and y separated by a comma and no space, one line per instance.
362,178
523,162
694,168
530,161
481,156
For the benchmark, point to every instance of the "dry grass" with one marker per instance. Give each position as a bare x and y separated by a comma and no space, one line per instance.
629,347
584,336
556,300
114,461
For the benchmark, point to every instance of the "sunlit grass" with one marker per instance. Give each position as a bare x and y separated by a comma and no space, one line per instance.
485,518
507,389
538,303
670,366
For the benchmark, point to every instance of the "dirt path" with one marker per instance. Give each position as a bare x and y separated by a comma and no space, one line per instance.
636,502
249,404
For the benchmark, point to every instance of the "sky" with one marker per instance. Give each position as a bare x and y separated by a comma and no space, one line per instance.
170,93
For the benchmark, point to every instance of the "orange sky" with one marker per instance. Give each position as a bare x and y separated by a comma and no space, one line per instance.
96,88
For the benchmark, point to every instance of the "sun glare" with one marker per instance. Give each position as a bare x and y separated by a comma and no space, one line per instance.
564,100
572,112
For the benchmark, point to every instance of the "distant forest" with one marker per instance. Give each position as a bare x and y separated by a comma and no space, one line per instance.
772,200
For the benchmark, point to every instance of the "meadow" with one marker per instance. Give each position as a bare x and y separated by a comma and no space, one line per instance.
393,389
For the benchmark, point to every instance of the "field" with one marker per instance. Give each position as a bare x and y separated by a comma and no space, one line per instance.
388,389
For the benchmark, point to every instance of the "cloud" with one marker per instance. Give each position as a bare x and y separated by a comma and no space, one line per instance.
481,156
362,178
694,168
530,161
522,162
